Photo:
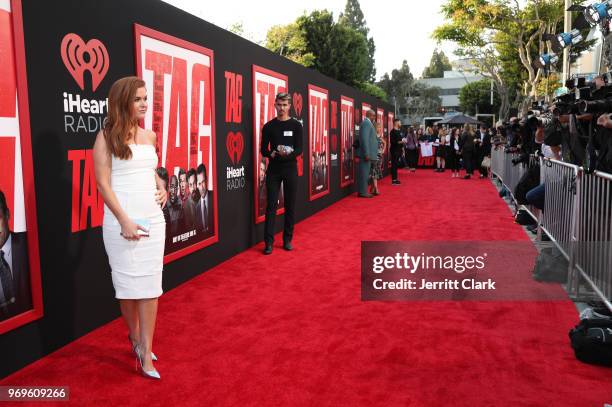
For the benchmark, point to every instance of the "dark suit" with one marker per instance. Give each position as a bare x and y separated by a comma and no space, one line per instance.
206,225
189,214
20,269
368,147
483,149
466,142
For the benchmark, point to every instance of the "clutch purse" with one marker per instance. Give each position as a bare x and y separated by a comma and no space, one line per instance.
144,224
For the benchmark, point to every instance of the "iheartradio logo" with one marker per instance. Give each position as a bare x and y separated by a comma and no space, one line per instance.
79,57
235,146
297,103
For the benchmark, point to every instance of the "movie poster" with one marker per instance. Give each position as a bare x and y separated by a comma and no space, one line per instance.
390,118
364,109
20,284
266,85
180,84
347,136
318,140
381,130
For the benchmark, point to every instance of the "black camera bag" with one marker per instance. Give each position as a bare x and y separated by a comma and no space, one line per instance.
591,340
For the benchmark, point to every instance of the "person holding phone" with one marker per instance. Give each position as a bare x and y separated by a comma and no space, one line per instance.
134,227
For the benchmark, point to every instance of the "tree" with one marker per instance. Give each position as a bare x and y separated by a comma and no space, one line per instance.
487,64
289,41
437,65
340,52
354,18
513,32
373,90
424,100
399,84
475,98
332,48
414,98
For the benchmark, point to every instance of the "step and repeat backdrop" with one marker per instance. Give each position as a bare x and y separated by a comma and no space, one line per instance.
210,92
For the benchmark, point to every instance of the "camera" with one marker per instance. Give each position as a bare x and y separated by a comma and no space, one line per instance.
522,159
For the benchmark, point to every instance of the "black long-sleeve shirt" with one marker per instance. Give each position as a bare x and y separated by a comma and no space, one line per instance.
396,141
287,133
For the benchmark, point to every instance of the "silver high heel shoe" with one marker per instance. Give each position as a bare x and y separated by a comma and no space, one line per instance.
153,357
150,374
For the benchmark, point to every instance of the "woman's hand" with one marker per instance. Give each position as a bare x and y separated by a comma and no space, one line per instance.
161,197
604,121
129,230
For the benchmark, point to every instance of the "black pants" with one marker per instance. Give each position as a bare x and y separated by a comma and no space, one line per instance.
452,160
287,174
468,162
412,158
395,156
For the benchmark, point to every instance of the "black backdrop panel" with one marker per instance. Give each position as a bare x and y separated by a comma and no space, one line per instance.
76,285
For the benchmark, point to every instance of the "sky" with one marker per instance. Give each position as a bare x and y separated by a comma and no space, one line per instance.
401,29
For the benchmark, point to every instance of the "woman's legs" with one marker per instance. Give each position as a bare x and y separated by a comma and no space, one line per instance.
129,311
147,313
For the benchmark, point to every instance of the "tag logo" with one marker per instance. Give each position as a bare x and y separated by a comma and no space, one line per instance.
297,103
235,145
79,57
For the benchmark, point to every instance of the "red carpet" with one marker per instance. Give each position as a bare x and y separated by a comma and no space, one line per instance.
290,329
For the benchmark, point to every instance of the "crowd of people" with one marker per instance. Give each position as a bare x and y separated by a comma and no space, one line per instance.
466,147
455,148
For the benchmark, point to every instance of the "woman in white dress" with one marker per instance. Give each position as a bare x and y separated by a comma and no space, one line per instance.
134,227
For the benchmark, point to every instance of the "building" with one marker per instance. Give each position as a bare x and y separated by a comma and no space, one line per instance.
450,85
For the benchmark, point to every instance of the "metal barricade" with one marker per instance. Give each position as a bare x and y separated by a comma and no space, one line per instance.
560,203
577,217
510,174
497,162
593,259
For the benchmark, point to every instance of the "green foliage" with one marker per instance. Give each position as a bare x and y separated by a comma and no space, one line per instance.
548,85
340,52
290,42
353,17
372,89
316,41
417,99
424,100
399,84
513,30
477,95
437,65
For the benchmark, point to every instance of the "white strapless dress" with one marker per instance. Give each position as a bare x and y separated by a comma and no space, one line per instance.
136,265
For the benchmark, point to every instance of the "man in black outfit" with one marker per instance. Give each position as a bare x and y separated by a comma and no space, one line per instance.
396,149
281,143
483,149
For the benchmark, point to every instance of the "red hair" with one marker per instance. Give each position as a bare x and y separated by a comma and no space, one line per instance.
121,120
